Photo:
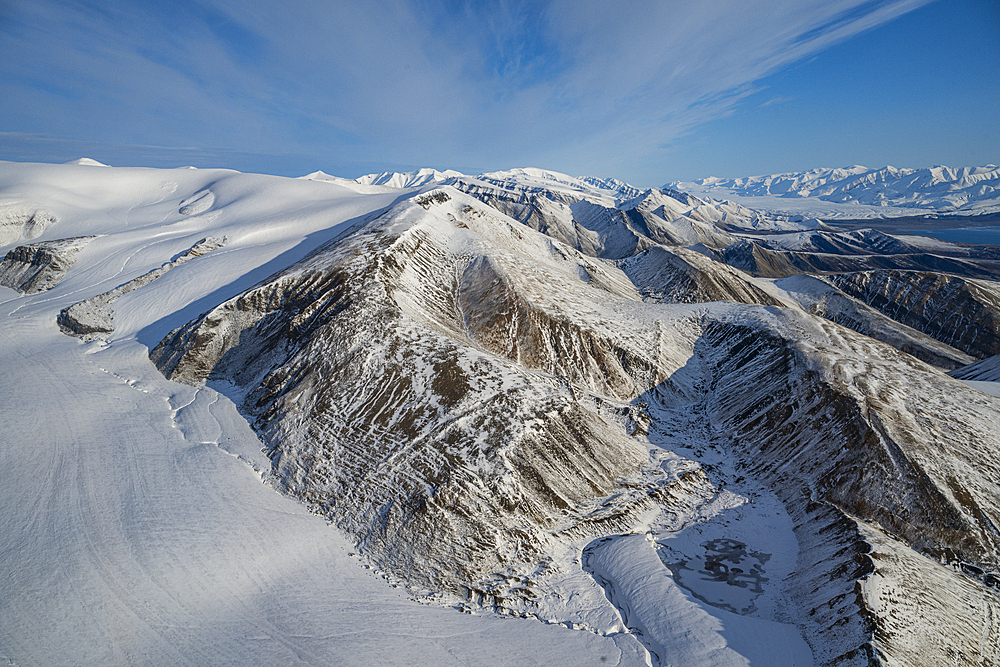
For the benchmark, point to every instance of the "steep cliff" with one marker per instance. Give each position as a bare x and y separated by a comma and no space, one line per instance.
961,312
37,267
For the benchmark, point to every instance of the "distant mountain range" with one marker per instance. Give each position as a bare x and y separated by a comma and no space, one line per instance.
566,202
825,193
967,190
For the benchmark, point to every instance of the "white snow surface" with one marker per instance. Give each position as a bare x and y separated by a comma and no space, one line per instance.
986,386
859,192
413,179
88,162
134,525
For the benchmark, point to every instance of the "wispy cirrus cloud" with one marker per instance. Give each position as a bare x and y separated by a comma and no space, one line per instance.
580,86
777,99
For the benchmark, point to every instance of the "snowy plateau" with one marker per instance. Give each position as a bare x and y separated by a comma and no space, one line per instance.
518,418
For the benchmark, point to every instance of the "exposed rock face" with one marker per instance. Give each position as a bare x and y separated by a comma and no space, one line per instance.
653,218
94,317
961,312
24,223
890,456
858,242
819,297
833,559
922,613
869,242
430,394
620,188
677,275
607,229
38,267
545,212
759,260
986,370
863,438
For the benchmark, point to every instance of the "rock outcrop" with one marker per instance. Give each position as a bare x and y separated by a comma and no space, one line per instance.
960,312
38,267
94,317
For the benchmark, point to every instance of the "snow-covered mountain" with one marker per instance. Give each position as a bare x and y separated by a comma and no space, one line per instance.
408,180
862,192
520,395
605,215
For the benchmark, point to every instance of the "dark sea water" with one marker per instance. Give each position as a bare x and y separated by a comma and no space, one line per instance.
978,235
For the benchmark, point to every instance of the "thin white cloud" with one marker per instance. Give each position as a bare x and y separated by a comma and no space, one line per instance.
777,99
670,66
580,86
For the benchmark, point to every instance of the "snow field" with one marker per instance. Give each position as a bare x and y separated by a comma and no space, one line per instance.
130,533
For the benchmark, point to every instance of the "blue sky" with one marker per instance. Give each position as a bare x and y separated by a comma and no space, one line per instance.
644,91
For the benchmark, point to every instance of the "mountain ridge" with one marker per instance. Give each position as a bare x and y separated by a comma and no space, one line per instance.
938,189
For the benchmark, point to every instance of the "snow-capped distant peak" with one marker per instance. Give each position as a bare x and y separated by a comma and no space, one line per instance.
599,189
531,174
87,162
613,185
409,179
349,183
318,176
936,189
